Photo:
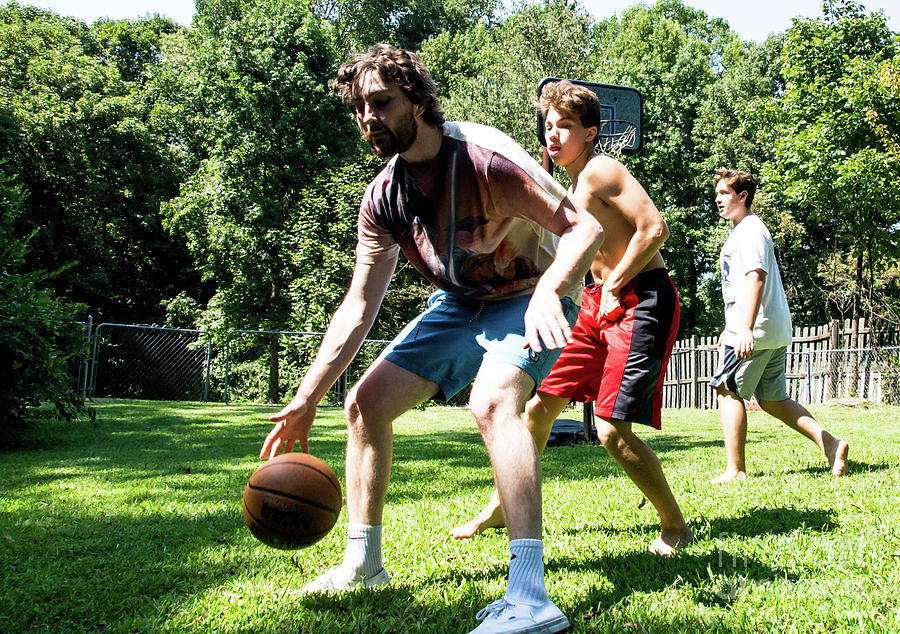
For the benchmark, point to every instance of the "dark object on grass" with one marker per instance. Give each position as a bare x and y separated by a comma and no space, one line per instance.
566,431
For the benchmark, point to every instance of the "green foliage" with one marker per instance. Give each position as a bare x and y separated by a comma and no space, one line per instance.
489,75
357,24
229,127
38,334
675,55
95,173
833,157
729,134
133,47
325,229
265,125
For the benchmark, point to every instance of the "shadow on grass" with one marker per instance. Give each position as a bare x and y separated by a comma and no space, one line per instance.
149,440
709,576
857,468
713,579
391,609
153,438
667,443
660,441
768,521
106,569
137,565
757,521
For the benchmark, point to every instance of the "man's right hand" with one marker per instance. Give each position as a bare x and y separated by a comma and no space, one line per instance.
292,423
744,344
611,308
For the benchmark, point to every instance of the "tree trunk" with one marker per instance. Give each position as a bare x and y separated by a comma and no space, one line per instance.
854,328
273,396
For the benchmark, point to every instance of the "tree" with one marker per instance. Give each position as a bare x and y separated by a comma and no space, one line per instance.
489,74
267,127
357,24
674,55
94,172
133,47
835,122
729,134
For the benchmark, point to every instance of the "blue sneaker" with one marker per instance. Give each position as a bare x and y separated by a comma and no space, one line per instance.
506,617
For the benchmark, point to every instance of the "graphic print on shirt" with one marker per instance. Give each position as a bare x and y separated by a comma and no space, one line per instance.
465,219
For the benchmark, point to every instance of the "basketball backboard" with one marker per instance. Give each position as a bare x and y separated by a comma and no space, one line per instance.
622,112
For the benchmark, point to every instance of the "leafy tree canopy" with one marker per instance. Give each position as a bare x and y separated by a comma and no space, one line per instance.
94,172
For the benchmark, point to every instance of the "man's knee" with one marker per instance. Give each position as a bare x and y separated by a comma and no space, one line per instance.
767,404
353,408
493,408
541,411
610,432
362,408
485,408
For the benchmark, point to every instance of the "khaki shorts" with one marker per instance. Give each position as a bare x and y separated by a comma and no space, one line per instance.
762,375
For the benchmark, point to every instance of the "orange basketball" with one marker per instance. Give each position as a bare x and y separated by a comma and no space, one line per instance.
292,501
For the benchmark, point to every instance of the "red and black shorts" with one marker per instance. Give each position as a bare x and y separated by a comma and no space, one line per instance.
621,363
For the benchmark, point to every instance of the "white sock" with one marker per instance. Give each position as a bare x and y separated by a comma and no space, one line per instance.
526,572
362,556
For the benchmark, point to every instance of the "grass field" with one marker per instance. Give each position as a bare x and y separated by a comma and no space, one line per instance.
135,526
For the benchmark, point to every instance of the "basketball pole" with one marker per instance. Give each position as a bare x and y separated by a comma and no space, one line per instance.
588,414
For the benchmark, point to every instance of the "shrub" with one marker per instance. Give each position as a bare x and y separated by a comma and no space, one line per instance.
38,332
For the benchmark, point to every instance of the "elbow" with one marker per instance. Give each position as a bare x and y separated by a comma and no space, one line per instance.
599,235
661,232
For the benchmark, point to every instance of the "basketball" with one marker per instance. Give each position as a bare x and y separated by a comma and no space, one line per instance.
292,501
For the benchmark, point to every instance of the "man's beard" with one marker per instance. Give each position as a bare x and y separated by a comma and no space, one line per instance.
389,142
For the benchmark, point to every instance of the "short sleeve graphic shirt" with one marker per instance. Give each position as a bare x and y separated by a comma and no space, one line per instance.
481,219
749,247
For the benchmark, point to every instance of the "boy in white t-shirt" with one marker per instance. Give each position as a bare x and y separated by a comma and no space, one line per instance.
753,346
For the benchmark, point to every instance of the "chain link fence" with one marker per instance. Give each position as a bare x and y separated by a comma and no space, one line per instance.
813,376
872,374
149,362
266,366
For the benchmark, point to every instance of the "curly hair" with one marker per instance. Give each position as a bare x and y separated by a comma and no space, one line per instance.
396,65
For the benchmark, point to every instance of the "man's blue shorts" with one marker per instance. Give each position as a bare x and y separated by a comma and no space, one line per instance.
448,342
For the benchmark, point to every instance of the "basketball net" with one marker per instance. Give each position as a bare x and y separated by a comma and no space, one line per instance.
613,142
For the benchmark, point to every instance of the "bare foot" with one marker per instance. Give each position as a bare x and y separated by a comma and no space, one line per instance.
671,541
837,457
490,517
728,476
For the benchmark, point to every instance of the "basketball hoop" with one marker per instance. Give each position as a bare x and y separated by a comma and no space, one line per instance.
621,117
615,135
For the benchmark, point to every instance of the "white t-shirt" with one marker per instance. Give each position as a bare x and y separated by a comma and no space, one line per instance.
748,248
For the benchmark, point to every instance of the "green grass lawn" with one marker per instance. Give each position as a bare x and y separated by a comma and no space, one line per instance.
136,526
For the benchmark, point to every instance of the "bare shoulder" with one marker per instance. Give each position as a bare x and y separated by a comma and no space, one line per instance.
605,176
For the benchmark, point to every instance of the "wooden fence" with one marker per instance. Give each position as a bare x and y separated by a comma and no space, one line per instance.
820,366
